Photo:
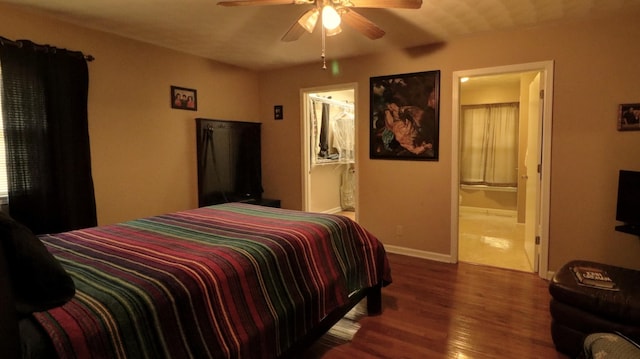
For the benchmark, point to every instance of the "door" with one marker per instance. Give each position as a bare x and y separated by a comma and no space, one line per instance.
532,177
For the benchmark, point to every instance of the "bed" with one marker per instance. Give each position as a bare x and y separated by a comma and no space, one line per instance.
225,281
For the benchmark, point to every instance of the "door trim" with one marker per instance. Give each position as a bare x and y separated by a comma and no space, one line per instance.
546,69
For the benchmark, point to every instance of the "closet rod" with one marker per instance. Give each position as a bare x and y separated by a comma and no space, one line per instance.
332,101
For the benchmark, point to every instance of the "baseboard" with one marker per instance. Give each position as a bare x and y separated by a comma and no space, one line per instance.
438,257
550,275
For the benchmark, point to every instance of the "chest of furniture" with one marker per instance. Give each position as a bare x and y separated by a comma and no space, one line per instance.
578,310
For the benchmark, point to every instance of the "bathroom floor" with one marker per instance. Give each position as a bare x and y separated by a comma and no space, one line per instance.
492,239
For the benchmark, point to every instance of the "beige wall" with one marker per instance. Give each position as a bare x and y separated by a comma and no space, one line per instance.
480,95
595,71
143,152
144,158
324,187
502,200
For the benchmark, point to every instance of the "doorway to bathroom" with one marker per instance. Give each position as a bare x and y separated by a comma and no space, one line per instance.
501,188
329,178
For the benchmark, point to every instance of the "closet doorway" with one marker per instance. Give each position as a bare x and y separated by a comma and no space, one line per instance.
501,172
329,178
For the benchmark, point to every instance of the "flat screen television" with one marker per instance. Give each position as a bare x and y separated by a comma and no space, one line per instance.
229,166
628,206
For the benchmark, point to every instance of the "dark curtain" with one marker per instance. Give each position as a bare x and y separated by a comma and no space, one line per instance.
44,104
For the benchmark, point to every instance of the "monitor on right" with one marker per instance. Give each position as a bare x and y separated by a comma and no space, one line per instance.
628,206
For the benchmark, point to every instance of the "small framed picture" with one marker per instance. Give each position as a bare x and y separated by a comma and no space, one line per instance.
629,117
184,98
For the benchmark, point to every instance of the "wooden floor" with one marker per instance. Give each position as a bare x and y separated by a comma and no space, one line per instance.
440,310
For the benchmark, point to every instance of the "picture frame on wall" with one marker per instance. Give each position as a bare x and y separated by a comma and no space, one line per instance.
405,116
629,117
184,98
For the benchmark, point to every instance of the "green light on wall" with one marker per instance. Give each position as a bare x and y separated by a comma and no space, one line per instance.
335,68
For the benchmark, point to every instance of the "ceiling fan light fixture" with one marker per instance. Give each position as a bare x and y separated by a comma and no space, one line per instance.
334,31
309,20
330,17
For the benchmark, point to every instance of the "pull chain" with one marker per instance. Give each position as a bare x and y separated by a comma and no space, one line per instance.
324,62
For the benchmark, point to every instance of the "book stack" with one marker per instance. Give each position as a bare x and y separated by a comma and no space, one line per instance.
594,277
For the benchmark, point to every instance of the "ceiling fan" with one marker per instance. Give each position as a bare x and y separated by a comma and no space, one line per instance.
331,12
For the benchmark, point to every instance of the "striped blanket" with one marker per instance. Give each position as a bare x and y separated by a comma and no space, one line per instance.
226,281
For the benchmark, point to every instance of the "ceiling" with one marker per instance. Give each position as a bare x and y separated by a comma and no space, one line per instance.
249,36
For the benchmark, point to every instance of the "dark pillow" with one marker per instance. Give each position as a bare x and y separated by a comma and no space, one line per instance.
38,280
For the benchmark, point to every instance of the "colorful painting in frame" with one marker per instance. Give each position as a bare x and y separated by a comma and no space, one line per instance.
405,115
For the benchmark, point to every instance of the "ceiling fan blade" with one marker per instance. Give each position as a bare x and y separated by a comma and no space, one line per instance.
307,22
362,24
399,4
255,2
294,32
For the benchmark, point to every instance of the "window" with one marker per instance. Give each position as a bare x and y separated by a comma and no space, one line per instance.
489,145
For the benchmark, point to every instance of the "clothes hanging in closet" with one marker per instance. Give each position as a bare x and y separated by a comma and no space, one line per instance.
334,129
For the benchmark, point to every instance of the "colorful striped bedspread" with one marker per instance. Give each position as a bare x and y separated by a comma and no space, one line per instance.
226,281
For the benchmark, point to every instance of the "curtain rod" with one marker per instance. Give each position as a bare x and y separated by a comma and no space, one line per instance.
20,43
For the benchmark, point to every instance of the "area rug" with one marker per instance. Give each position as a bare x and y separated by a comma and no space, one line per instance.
341,333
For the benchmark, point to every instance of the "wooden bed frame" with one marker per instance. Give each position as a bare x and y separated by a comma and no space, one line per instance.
374,307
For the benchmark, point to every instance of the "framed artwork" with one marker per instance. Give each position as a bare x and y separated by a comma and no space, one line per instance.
184,98
405,116
629,117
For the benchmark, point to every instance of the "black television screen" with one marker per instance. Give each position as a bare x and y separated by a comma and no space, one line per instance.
229,165
628,207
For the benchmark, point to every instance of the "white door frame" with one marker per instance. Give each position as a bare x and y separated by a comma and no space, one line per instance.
305,133
546,69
